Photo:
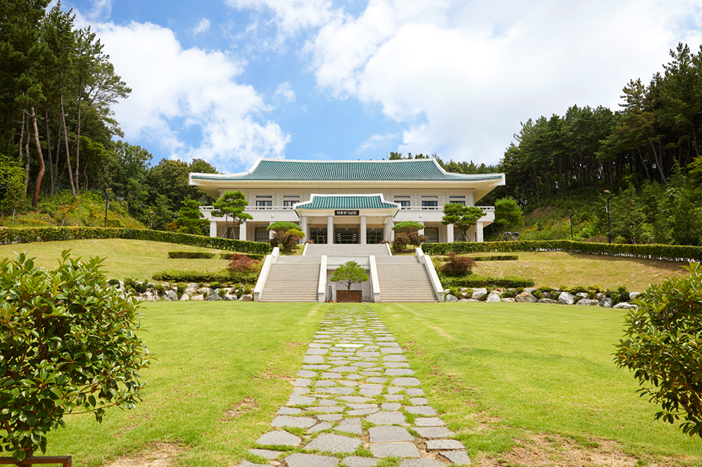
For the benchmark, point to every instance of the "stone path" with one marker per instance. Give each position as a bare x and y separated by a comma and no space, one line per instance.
356,401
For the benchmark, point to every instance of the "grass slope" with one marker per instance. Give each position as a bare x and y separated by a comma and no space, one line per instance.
138,259
220,372
500,370
555,268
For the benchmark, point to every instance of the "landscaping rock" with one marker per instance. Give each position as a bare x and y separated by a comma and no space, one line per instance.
204,290
334,443
625,306
530,289
547,300
184,297
432,432
199,298
493,298
451,298
588,302
246,298
310,460
634,295
441,444
457,457
509,300
469,300
192,285
479,294
214,296
389,434
279,438
230,298
566,298
581,294
355,461
190,291
171,295
394,450
525,297
600,296
606,302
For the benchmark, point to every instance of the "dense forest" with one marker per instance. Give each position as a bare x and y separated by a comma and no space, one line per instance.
57,131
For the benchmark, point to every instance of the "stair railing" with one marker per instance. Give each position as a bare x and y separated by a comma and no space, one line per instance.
433,276
265,270
375,283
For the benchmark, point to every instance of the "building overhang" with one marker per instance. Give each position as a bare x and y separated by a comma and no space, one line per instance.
352,205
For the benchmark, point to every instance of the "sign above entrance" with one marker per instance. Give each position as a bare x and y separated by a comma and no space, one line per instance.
346,212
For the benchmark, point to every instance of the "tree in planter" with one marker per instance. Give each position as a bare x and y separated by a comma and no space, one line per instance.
662,345
349,273
68,346
407,233
461,216
232,204
190,219
285,234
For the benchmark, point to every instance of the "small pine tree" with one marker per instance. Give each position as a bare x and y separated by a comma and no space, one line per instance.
191,220
349,273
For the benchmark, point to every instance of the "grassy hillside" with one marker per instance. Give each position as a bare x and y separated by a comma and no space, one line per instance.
88,209
137,259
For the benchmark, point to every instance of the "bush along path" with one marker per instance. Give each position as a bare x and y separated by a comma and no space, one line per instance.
356,403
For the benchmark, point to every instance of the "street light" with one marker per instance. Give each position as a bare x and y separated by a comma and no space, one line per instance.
609,224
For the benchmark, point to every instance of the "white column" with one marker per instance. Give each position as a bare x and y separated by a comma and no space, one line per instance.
213,228
330,230
242,231
449,233
303,227
386,229
479,232
270,232
363,230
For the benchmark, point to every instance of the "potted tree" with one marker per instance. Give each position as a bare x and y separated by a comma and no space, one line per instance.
349,273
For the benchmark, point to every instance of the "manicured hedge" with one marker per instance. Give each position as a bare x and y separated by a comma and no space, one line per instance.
255,256
682,253
489,258
50,234
227,277
190,254
474,280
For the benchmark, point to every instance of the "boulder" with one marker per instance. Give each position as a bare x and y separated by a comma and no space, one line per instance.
230,298
566,298
246,298
588,302
197,297
525,297
479,294
634,295
600,296
148,296
508,300
213,296
547,300
190,291
625,306
493,298
204,290
171,295
155,298
469,300
451,298
184,297
581,294
192,285
606,302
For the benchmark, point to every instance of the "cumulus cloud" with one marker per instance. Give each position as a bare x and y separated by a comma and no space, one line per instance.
462,75
375,141
202,26
178,92
284,93
101,9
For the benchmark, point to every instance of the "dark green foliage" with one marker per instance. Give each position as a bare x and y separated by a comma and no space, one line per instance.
662,343
258,257
134,285
490,258
282,226
191,254
225,276
231,205
407,226
508,212
68,345
663,252
349,273
475,281
48,234
191,220
461,216
457,265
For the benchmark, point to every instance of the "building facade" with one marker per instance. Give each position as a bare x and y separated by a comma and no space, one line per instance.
349,201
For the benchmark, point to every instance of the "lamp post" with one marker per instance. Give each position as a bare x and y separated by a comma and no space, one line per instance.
107,203
609,224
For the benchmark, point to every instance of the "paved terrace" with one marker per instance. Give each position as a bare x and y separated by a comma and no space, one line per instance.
356,401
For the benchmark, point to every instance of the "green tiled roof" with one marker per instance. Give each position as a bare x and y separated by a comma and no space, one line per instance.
422,169
346,202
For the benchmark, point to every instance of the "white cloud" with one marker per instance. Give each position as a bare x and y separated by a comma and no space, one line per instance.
284,93
375,141
462,75
101,10
202,26
178,91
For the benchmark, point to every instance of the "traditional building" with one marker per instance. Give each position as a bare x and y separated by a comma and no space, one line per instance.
347,201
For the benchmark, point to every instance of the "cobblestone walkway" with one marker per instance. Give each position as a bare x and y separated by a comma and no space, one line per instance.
355,402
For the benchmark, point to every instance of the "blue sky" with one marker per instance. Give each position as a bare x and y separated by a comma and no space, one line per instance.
230,81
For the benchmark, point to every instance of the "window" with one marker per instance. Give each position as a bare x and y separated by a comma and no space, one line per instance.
261,234
429,204
263,203
432,234
289,201
403,201
457,200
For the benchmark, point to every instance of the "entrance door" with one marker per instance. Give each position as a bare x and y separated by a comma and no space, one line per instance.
374,235
346,235
318,235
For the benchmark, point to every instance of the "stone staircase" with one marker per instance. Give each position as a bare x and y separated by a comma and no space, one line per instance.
292,279
346,250
403,279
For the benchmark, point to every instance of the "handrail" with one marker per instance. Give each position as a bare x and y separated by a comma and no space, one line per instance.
265,270
375,283
433,276
321,293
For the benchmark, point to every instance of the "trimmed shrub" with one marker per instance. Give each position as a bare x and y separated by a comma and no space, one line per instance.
255,256
205,276
457,265
475,281
679,253
242,263
49,234
190,254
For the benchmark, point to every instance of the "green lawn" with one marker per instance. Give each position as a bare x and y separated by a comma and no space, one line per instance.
138,259
210,358
511,368
495,371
